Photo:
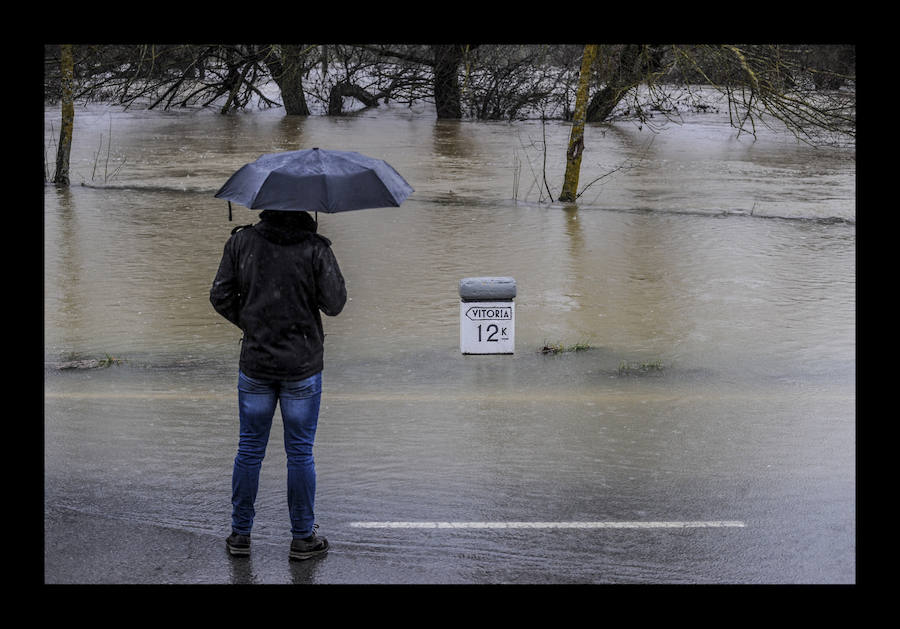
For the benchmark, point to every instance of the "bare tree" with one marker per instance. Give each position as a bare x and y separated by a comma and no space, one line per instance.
808,90
164,76
775,83
447,59
243,67
287,70
67,72
576,139
623,69
363,74
511,82
435,67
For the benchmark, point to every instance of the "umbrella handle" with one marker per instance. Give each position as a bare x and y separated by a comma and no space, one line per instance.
229,211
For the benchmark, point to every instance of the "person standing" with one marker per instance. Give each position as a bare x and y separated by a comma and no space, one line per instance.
274,279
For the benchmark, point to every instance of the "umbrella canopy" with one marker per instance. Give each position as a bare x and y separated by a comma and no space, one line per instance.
316,180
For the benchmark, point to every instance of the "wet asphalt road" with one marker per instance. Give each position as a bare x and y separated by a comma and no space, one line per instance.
86,549
82,548
124,505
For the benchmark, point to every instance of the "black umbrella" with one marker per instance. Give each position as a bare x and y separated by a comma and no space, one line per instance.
315,180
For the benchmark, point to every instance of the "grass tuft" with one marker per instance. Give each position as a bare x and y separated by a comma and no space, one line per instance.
74,361
634,368
559,348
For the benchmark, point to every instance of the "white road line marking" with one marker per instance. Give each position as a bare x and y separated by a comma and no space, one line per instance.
550,525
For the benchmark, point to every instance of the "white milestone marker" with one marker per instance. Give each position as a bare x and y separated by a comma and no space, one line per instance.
487,315
487,327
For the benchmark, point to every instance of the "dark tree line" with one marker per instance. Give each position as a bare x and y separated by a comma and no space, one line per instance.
483,82
230,77
809,89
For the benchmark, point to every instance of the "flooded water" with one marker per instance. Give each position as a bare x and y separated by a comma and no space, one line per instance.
714,278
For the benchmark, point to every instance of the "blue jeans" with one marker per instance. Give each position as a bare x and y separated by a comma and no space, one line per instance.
299,402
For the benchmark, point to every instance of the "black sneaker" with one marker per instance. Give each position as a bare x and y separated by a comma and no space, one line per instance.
309,546
238,545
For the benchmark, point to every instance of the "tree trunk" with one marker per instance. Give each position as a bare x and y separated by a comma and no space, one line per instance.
338,91
67,77
636,62
235,87
288,75
446,80
576,138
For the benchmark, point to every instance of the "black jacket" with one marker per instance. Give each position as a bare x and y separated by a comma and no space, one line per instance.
274,278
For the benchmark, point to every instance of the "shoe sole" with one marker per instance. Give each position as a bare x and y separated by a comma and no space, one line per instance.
237,552
309,554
